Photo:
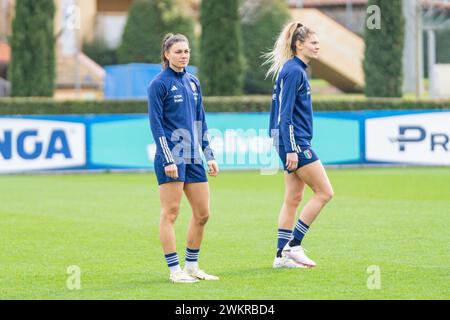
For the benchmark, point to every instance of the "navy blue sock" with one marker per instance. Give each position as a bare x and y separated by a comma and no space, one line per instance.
299,232
192,257
172,261
284,236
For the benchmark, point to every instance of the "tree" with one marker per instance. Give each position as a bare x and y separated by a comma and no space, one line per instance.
222,60
148,22
179,23
99,51
262,21
383,66
32,70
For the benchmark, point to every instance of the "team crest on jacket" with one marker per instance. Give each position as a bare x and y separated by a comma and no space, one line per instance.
193,86
308,154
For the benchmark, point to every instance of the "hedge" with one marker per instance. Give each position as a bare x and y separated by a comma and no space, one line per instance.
41,106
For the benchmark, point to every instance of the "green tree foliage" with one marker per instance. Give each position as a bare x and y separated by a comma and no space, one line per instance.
222,60
148,22
384,51
32,69
262,21
99,51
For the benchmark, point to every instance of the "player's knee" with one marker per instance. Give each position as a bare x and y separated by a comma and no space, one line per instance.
170,213
202,217
294,199
326,195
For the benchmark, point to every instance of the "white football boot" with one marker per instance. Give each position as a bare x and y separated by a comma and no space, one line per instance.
297,253
181,277
285,262
196,273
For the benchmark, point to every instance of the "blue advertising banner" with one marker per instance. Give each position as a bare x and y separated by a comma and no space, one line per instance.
240,140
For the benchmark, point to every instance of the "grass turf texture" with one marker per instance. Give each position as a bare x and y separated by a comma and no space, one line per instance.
107,224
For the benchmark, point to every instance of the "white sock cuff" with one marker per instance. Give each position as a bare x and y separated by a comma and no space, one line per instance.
191,264
175,268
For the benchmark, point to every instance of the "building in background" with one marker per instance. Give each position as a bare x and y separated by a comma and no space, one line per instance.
77,76
350,14
104,20
5,56
6,14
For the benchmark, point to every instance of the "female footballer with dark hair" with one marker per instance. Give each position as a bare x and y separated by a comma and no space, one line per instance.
291,126
177,120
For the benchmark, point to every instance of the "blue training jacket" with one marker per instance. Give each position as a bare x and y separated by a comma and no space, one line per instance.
177,117
291,116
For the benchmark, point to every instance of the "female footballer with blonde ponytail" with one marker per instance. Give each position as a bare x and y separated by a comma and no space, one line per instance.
291,126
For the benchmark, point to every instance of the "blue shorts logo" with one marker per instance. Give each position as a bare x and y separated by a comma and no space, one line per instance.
308,154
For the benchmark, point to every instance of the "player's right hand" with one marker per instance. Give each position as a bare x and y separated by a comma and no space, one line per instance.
213,168
291,161
171,171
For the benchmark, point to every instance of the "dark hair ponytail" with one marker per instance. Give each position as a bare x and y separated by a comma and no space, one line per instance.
169,40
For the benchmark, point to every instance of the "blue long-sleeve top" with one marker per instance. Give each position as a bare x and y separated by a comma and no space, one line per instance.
291,116
177,117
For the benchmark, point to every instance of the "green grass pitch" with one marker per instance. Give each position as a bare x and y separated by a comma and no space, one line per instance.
396,219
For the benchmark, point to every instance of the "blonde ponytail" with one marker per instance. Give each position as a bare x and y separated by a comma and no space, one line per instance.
285,47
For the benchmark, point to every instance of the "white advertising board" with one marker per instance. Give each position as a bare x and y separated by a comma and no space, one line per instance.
422,139
27,144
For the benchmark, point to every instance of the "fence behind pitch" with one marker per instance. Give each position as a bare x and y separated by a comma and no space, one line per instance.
124,141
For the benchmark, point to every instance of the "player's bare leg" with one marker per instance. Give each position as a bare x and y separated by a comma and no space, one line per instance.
170,196
198,196
315,177
293,195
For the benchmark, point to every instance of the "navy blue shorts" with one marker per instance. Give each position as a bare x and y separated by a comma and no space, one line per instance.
306,156
187,172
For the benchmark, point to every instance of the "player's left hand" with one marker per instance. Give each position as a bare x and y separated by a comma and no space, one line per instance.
213,168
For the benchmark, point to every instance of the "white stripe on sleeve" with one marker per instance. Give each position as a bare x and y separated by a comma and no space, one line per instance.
167,153
280,100
291,137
